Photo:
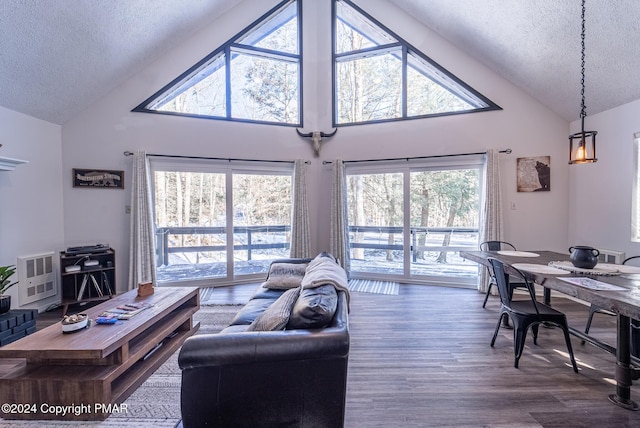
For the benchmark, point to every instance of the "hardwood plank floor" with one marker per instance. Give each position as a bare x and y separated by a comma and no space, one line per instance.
423,359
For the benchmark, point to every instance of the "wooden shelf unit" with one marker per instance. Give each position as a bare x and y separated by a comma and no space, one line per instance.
90,283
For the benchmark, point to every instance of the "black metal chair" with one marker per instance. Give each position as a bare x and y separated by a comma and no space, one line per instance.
526,313
595,309
497,246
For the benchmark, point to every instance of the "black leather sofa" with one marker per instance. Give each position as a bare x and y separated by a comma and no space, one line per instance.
294,377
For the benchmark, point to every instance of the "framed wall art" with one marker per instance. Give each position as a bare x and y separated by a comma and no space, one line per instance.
98,178
534,174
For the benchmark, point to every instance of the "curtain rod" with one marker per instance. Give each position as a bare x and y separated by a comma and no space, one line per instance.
507,151
128,153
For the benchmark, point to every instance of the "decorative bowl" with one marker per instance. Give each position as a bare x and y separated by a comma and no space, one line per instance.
73,323
584,257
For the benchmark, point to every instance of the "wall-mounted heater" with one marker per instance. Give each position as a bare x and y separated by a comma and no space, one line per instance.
38,275
611,256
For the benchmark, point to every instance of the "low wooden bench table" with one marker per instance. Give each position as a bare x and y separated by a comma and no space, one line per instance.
86,375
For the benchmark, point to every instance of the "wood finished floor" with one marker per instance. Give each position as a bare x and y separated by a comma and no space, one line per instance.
423,359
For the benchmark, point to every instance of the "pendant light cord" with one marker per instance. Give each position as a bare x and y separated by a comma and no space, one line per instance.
585,151
583,108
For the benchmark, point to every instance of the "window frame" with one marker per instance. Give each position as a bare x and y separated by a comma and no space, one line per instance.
229,169
406,167
227,49
407,50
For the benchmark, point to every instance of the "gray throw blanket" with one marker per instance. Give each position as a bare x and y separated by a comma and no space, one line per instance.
323,270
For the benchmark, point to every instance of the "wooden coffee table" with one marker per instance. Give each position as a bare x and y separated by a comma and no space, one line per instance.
86,375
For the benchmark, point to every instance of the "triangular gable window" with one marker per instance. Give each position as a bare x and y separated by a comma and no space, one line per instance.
380,77
253,77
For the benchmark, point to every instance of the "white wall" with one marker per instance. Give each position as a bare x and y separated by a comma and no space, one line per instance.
98,137
600,193
31,207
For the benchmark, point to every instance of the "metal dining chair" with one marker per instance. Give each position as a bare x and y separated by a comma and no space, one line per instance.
595,309
497,246
526,314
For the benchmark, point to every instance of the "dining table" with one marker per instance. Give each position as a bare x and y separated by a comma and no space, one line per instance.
615,288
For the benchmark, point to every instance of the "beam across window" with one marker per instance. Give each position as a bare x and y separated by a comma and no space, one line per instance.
378,76
254,77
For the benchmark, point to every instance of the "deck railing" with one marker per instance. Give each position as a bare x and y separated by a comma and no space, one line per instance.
414,232
164,248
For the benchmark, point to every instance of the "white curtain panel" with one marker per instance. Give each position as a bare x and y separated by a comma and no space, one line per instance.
491,225
142,262
300,228
339,238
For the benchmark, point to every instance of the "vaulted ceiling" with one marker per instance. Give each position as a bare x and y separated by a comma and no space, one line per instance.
58,57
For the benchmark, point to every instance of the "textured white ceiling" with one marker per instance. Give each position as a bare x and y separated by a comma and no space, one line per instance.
57,57
536,45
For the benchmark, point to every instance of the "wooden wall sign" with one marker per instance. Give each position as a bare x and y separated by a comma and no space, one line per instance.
98,178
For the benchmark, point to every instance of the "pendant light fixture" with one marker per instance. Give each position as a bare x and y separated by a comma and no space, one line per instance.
582,145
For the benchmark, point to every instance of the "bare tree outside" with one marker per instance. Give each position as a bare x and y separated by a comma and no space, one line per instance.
444,215
192,220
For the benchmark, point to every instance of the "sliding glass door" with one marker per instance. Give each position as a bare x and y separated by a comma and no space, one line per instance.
191,224
261,220
376,227
220,223
410,220
445,214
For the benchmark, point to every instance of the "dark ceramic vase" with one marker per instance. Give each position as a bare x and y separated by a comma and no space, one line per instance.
5,304
584,257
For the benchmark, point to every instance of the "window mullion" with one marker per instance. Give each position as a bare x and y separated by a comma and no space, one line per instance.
229,222
406,221
266,53
404,81
227,59
364,53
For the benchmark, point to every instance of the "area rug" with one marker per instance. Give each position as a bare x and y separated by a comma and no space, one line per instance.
156,404
214,296
376,287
